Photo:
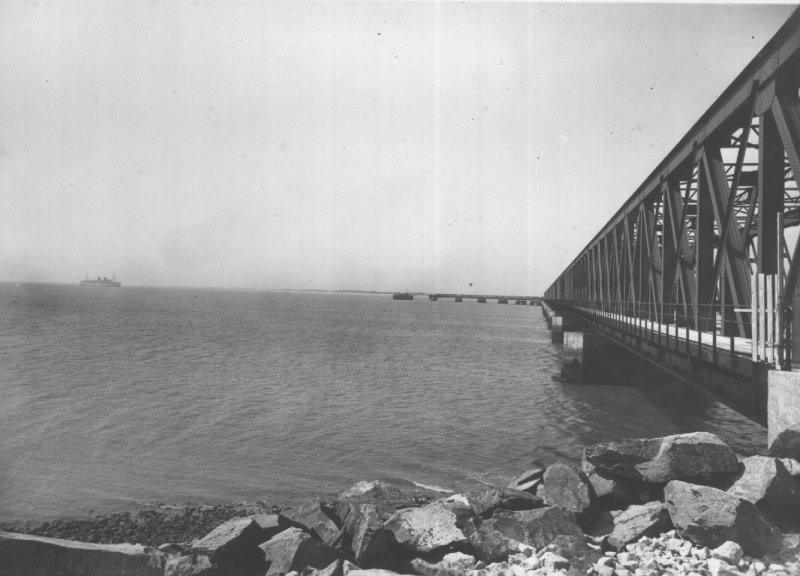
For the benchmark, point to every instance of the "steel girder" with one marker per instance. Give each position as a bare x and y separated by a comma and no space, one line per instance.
711,239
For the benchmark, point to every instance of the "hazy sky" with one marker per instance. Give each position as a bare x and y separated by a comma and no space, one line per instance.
378,146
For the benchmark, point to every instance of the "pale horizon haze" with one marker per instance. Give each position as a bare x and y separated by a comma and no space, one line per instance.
390,146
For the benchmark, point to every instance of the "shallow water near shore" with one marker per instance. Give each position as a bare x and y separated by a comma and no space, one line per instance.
112,399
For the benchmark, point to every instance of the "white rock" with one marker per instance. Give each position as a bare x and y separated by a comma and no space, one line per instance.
719,567
729,551
553,561
532,563
458,561
625,557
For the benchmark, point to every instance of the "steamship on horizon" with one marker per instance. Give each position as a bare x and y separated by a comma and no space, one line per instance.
101,282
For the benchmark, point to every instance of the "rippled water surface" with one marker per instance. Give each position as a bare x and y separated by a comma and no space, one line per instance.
114,398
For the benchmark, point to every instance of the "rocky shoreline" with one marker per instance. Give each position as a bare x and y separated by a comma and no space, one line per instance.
683,504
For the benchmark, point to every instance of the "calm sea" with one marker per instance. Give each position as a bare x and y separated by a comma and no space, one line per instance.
112,399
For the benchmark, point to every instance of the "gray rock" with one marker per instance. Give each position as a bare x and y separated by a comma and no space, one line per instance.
426,528
370,541
616,493
766,483
649,519
427,569
792,467
575,549
728,551
319,520
294,549
708,517
373,572
366,487
698,456
529,480
233,546
458,562
787,443
27,555
347,567
494,538
332,569
387,499
565,487
198,565
505,499
270,524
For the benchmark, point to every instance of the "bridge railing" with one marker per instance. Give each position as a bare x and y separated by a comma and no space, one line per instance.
713,231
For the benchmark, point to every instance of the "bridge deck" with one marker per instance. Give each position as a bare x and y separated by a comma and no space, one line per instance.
681,334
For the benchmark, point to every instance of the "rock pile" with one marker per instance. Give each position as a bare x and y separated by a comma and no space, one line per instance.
682,504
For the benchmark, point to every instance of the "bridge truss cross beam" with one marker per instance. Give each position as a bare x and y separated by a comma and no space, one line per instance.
710,241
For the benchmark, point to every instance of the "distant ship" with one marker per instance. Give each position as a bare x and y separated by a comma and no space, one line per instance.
402,296
101,282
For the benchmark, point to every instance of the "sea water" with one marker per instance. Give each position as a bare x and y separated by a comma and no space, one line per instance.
112,399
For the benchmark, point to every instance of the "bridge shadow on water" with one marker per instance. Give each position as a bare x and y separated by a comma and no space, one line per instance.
619,395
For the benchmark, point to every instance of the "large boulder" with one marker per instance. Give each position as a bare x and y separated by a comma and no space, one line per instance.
370,540
649,519
295,549
387,499
335,568
698,456
565,487
787,443
233,546
708,517
613,493
319,519
494,538
426,528
529,480
792,466
766,483
271,524
505,499
27,555
191,565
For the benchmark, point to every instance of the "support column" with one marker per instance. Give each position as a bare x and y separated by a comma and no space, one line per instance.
783,402
572,356
557,329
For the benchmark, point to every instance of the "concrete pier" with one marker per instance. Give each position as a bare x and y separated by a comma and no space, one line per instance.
783,402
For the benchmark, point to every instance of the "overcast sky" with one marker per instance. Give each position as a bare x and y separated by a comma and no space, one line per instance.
374,146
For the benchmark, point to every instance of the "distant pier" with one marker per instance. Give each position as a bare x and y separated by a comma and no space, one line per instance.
483,298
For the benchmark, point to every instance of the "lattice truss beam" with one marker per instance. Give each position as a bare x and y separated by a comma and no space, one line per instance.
720,209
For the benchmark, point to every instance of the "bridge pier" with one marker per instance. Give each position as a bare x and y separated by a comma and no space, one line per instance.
783,402
560,325
587,357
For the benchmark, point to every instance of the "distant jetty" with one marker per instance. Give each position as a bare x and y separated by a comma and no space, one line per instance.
101,282
402,296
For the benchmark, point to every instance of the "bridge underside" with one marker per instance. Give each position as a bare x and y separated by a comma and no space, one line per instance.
700,266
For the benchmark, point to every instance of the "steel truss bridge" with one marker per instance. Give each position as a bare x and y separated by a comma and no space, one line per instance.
703,256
